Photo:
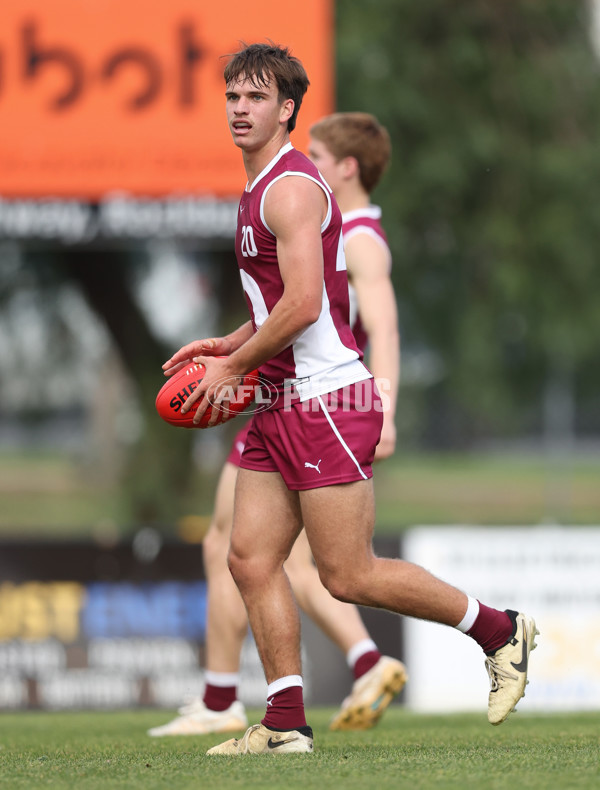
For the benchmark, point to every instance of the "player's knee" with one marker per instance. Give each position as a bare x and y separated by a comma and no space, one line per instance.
243,568
339,586
214,548
211,541
236,565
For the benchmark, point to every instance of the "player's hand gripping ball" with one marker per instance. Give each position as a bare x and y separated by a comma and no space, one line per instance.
174,393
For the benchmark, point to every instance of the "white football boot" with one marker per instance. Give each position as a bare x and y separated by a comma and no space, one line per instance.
259,739
370,696
507,668
196,719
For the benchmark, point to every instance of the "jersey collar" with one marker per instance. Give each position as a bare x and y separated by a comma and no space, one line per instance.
284,150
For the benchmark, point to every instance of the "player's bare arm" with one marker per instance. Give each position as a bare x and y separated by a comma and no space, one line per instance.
368,265
294,210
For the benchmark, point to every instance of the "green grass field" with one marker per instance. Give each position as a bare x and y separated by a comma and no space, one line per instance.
95,751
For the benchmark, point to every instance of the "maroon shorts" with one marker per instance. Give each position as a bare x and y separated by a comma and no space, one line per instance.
237,448
324,441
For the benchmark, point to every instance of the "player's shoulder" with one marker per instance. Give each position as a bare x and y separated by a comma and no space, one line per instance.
300,172
288,162
365,242
293,198
296,163
295,189
368,216
365,222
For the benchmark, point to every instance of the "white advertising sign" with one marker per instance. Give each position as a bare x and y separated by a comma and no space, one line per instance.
551,573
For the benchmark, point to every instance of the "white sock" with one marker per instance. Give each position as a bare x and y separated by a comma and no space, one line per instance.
358,650
470,615
221,679
284,683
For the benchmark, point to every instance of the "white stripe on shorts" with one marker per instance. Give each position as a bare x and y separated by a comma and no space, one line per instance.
339,436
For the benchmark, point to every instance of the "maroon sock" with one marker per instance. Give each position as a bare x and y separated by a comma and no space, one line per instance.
285,710
366,662
492,628
219,697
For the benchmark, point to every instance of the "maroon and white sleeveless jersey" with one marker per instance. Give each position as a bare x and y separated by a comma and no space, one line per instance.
363,220
325,356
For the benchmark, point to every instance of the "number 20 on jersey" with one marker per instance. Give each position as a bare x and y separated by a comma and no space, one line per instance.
249,249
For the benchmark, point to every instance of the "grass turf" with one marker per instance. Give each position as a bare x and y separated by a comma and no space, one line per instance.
94,751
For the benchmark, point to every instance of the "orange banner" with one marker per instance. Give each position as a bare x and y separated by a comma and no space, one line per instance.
98,96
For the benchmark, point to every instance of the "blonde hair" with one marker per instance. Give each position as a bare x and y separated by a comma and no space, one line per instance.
361,136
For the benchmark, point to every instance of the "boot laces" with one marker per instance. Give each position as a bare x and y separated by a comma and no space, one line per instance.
497,673
243,746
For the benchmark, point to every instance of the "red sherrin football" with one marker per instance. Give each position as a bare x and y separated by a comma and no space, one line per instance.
178,388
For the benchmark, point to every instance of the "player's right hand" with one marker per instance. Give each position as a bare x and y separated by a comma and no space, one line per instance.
209,347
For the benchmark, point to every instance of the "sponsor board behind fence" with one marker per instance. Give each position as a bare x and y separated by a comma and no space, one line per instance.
89,627
552,573
83,626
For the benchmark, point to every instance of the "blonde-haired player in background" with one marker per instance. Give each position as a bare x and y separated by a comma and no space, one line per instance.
352,151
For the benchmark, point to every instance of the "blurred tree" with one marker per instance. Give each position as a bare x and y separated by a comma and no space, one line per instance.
157,473
490,203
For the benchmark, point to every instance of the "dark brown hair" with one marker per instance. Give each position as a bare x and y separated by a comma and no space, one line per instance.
260,63
361,136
